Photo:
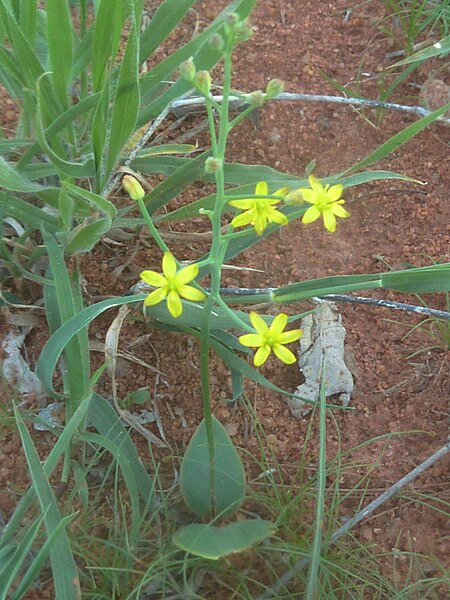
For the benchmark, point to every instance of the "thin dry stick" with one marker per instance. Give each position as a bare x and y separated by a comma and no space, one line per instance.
286,96
384,497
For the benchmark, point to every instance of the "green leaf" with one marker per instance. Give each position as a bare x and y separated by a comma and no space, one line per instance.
125,100
97,201
213,542
163,22
26,212
440,47
65,574
59,37
397,140
84,237
205,58
12,180
107,28
229,476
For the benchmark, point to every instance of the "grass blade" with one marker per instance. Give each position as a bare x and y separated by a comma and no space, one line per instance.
59,37
64,570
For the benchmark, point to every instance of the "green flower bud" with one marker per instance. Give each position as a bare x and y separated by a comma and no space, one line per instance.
217,42
203,82
274,88
212,165
243,31
294,198
232,19
187,70
256,98
133,188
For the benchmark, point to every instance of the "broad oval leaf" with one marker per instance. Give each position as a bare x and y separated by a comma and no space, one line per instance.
229,476
214,542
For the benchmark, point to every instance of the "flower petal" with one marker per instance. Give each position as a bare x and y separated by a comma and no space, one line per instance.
153,278
262,354
260,223
242,204
261,189
155,297
258,323
174,304
311,215
275,216
309,195
284,354
335,192
287,337
316,185
251,339
243,219
281,192
339,210
329,220
191,293
169,265
278,324
187,274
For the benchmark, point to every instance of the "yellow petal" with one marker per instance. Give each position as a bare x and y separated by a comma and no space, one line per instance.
275,216
260,223
278,324
261,189
288,337
311,215
309,195
258,323
262,354
191,293
281,192
243,219
284,354
153,278
169,265
315,184
242,204
335,192
187,274
251,339
339,210
329,221
155,297
174,304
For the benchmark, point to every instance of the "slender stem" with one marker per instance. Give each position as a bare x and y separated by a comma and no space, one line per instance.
151,226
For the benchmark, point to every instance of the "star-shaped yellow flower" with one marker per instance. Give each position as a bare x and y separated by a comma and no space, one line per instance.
271,338
259,212
171,285
326,201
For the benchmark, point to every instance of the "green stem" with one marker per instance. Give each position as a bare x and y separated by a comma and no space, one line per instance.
216,255
151,226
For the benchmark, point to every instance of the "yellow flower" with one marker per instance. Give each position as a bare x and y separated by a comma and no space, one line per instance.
172,285
259,211
325,201
271,338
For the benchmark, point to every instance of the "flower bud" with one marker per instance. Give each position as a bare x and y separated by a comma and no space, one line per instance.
274,88
217,42
203,82
232,19
187,70
133,188
243,31
294,198
212,165
256,98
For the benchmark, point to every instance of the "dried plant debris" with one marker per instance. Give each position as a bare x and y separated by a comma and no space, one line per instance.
323,339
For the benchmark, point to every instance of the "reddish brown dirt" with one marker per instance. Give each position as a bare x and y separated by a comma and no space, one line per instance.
391,222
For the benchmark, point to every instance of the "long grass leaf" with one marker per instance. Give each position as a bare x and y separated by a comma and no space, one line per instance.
65,574
108,24
397,140
59,37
